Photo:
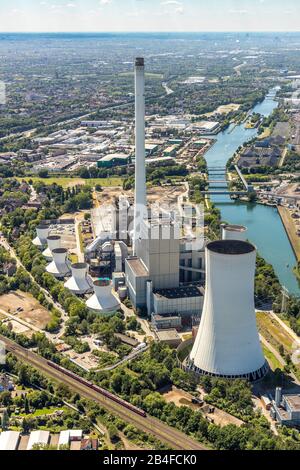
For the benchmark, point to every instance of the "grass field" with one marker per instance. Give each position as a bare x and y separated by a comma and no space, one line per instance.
274,363
70,182
273,333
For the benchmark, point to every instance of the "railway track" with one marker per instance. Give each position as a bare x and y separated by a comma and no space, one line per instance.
170,436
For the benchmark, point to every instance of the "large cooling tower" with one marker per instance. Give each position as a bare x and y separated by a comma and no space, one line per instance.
80,283
42,232
103,300
234,232
60,266
227,343
54,242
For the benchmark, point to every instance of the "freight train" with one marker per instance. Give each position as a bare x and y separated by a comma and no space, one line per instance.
100,390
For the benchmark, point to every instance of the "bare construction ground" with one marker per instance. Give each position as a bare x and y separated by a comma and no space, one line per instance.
32,312
168,194
219,417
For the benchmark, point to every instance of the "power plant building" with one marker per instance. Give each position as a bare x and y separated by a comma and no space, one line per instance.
42,232
103,301
227,343
162,261
60,266
80,283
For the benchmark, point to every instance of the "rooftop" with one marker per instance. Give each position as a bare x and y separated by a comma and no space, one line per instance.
178,292
293,401
168,335
235,228
137,266
231,247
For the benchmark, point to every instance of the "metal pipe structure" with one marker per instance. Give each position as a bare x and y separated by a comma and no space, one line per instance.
234,232
53,242
103,301
140,203
80,283
227,343
60,266
42,232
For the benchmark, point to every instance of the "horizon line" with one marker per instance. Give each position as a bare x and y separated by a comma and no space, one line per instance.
156,32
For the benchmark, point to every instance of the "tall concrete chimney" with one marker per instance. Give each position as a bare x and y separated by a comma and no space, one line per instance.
140,209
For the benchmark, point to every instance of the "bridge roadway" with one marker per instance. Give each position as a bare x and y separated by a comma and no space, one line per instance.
170,436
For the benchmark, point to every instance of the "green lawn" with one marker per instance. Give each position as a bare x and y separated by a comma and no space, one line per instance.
69,182
41,412
273,361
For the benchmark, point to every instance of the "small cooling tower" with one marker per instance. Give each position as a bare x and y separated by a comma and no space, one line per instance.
80,283
103,300
60,266
42,232
54,242
234,232
227,343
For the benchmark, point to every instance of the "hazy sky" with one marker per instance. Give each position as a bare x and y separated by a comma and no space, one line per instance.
149,15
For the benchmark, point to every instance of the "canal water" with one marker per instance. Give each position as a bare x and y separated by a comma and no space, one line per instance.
265,228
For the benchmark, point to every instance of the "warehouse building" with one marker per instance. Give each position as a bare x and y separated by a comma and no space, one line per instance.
9,440
114,159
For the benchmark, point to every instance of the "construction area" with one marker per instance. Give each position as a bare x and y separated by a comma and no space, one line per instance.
26,312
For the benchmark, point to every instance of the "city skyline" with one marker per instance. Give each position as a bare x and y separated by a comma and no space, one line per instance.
148,16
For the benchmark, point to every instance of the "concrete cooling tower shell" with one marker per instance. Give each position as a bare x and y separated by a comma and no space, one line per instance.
42,232
53,242
60,266
227,343
80,283
103,301
234,232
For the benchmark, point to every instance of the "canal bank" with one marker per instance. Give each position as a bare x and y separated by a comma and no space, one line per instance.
290,229
265,227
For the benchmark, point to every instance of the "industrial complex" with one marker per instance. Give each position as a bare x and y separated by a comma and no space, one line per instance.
174,279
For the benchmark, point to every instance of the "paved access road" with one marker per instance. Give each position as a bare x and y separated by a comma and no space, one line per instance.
170,436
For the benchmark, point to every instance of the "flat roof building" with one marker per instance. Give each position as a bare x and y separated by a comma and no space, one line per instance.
114,159
170,337
287,408
9,440
38,438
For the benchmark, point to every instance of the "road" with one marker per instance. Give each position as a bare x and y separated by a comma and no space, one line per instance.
170,436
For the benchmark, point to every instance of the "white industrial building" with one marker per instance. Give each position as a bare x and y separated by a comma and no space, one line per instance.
38,438
80,283
286,408
68,436
9,440
227,343
60,266
162,261
234,232
103,301
42,233
54,242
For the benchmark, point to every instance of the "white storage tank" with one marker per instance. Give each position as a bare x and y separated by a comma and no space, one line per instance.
227,343
80,283
123,293
234,232
60,266
54,242
42,232
103,301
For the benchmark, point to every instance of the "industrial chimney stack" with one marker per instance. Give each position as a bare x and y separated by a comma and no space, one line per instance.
140,163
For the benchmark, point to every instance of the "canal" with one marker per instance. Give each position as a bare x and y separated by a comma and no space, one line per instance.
265,228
